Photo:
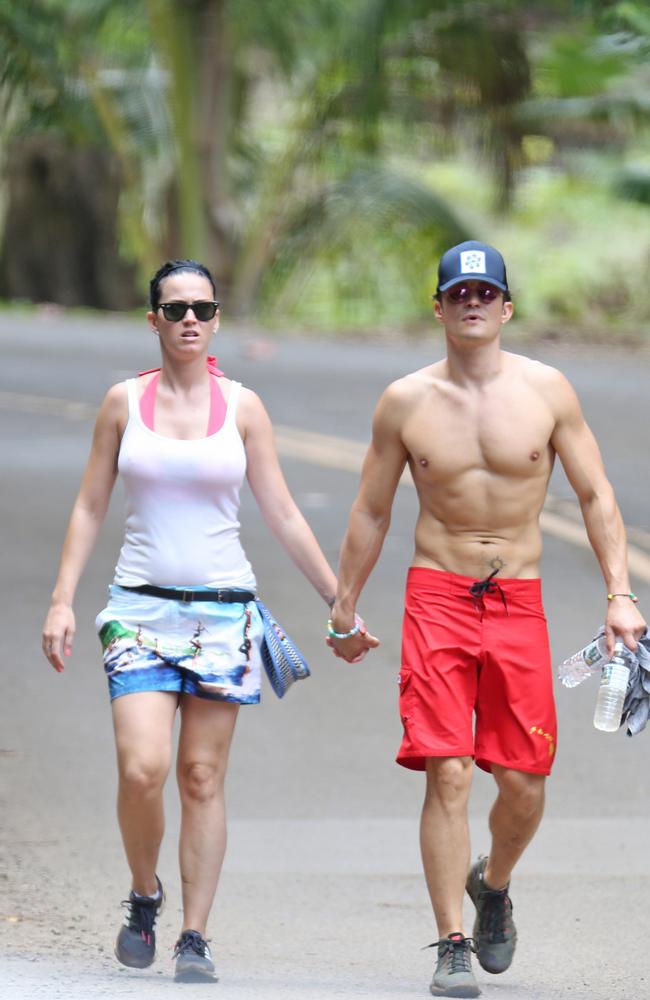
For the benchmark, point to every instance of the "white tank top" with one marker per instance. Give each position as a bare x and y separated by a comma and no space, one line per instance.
182,505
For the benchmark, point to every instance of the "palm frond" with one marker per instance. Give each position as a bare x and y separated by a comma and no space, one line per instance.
397,215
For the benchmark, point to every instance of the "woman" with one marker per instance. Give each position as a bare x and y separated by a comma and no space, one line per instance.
181,629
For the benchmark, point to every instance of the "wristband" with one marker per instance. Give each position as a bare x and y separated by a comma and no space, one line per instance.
633,597
356,628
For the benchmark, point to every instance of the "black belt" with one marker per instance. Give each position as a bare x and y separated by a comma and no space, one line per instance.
221,595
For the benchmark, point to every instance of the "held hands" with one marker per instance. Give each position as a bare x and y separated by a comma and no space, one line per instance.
58,634
624,621
350,644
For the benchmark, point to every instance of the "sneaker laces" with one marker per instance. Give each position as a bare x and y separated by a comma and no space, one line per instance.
496,907
460,948
190,941
142,915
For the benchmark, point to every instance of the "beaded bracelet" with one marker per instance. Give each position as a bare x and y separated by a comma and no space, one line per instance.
633,597
356,628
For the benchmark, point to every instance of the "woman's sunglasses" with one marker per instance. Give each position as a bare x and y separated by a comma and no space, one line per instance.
203,310
462,293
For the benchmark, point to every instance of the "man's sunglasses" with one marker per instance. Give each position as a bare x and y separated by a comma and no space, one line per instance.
203,310
462,293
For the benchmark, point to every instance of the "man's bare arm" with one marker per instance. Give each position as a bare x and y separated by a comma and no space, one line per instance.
369,518
578,451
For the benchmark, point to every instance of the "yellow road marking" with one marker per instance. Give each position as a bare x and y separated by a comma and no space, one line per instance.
23,403
330,452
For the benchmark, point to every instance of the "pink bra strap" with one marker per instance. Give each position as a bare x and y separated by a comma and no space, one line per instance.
211,362
148,401
217,408
217,405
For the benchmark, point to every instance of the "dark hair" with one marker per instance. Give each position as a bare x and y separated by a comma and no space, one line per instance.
171,267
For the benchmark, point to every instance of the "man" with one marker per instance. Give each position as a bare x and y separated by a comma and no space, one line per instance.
480,431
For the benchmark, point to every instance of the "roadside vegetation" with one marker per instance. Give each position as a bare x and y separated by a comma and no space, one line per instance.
319,154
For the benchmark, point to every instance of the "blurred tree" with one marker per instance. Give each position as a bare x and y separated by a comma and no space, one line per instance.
169,87
274,141
310,53
63,179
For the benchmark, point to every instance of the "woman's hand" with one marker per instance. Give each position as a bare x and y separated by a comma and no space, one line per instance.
354,647
58,634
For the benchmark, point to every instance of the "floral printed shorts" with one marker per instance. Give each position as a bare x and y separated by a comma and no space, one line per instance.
208,649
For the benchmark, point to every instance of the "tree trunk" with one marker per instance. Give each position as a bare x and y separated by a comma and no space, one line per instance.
60,242
172,24
191,38
214,138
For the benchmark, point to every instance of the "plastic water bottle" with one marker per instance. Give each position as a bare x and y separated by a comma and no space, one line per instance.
575,669
612,690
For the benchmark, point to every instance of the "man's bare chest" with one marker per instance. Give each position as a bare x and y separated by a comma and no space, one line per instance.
505,437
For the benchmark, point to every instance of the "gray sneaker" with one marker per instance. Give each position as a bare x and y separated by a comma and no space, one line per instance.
136,941
193,959
453,976
494,931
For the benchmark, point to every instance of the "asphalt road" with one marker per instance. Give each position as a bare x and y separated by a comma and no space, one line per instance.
321,894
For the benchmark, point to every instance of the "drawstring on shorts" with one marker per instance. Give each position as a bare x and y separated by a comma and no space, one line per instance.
480,588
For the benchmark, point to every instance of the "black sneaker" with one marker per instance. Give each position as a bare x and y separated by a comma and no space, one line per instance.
136,942
494,931
453,976
193,959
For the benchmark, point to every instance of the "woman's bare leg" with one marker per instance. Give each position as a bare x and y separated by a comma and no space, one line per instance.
207,729
143,724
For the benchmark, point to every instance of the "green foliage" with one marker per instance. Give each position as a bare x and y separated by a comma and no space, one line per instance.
633,183
578,66
631,18
310,151
43,47
361,253
578,256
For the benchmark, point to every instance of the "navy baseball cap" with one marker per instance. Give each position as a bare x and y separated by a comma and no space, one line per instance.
472,261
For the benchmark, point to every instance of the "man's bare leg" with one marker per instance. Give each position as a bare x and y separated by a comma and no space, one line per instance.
444,838
514,819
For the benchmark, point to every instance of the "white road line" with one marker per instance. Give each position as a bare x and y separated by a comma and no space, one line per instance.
330,452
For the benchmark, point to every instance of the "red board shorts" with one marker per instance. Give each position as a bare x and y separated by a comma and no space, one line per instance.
487,656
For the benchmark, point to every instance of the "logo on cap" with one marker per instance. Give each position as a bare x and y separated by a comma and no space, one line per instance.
472,262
